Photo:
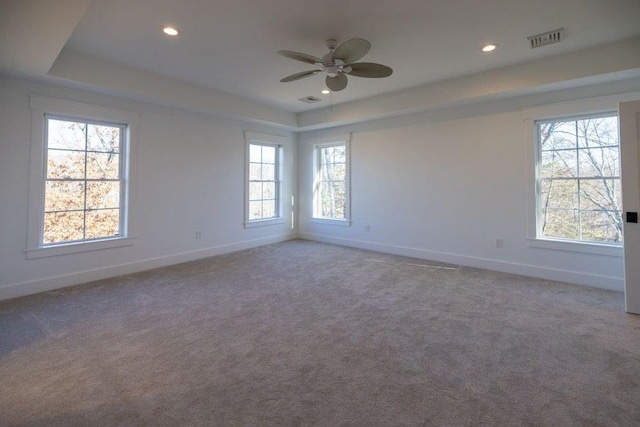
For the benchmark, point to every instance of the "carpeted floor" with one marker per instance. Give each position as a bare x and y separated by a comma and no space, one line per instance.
304,333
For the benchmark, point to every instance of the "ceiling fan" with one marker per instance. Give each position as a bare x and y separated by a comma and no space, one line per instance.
340,61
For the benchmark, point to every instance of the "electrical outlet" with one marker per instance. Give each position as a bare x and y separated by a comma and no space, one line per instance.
499,242
367,228
198,235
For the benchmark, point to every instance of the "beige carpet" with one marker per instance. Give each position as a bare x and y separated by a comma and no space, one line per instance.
303,333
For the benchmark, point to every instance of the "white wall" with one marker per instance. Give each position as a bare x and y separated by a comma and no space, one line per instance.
440,185
188,176
443,186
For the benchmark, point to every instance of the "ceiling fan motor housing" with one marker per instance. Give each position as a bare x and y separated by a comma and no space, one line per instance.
332,70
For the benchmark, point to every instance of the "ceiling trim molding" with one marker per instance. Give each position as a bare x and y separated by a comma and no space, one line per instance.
564,71
581,68
151,87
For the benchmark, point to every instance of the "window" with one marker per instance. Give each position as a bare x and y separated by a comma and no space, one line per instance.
263,198
331,186
263,182
80,177
83,180
578,189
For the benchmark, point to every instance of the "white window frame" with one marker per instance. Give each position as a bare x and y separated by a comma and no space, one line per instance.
331,141
574,109
43,107
272,141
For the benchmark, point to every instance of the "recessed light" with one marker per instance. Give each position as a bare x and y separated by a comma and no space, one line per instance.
326,92
489,47
171,31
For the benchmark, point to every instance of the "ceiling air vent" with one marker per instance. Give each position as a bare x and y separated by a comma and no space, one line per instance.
310,99
544,39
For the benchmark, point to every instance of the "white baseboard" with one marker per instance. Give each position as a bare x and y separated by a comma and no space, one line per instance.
574,277
15,290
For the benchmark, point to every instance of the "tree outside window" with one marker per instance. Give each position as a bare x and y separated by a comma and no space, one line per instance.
331,182
578,179
83,181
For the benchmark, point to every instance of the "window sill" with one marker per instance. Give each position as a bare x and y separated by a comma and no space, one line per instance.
263,222
582,247
77,247
329,221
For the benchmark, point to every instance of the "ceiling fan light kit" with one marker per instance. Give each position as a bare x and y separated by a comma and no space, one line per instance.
340,61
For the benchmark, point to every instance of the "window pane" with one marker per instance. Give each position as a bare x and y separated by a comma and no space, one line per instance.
255,190
255,155
602,226
555,164
255,172
340,208
103,194
561,224
339,189
326,155
62,227
268,154
103,138
63,196
339,171
255,210
557,135
559,194
102,166
340,197
340,154
332,199
325,172
65,134
65,164
269,190
598,194
326,200
268,172
598,132
268,209
599,162
102,223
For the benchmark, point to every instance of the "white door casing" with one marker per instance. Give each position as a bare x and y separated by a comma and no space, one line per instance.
629,113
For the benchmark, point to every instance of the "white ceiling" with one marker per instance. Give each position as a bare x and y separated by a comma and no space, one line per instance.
231,45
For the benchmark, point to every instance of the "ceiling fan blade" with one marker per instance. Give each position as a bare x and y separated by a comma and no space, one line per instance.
370,69
298,76
309,59
352,50
336,83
